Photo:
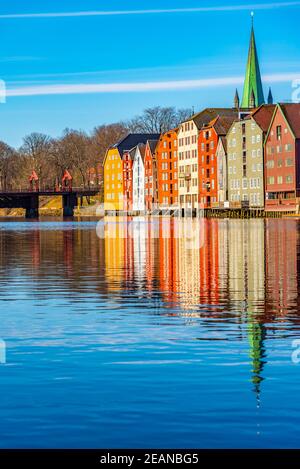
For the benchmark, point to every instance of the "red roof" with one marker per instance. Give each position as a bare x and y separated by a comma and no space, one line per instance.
221,124
291,112
263,116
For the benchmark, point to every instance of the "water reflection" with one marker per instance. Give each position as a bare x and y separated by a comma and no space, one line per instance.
221,290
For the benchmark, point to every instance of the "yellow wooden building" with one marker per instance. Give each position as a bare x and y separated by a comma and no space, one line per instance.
113,169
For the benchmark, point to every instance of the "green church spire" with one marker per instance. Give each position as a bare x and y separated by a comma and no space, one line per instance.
253,84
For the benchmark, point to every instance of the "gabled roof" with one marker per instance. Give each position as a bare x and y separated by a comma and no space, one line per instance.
152,145
222,124
263,116
291,112
142,149
131,141
207,115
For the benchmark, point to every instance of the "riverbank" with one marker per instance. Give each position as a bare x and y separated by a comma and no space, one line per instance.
52,207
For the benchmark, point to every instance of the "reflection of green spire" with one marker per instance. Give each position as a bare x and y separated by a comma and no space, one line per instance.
256,334
253,84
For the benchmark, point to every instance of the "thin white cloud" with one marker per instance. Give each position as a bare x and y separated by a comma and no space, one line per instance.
259,6
142,87
19,59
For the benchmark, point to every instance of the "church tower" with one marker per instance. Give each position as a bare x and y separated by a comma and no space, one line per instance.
253,95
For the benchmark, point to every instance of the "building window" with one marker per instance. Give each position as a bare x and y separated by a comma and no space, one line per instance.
278,132
289,179
288,147
270,180
288,162
279,180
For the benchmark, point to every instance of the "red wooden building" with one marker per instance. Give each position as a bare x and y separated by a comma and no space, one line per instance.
282,158
207,158
150,174
127,161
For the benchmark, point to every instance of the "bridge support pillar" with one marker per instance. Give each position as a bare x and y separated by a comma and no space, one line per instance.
69,203
32,207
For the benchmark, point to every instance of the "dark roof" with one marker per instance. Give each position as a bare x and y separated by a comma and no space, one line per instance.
153,145
207,115
263,116
141,147
291,112
132,140
222,124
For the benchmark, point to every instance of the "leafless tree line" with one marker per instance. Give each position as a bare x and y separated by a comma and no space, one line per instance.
80,153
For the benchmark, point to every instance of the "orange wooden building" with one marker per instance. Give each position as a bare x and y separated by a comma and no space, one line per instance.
150,174
208,166
167,168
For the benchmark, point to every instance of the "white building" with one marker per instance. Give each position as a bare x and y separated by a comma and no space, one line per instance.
188,165
222,170
138,179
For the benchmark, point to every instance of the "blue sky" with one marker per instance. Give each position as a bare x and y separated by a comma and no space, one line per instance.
79,70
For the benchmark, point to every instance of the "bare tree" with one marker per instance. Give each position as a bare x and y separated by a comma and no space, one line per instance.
7,155
36,149
101,139
158,120
74,147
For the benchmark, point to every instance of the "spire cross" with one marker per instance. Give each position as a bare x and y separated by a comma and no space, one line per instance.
252,18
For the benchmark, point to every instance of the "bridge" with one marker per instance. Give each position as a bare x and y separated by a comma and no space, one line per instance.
29,199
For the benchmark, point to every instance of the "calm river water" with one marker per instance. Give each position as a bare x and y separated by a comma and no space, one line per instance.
160,333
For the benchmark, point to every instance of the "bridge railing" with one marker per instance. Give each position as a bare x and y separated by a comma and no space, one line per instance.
56,190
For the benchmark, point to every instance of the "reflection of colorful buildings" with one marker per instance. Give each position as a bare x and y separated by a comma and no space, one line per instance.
281,266
114,235
168,259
